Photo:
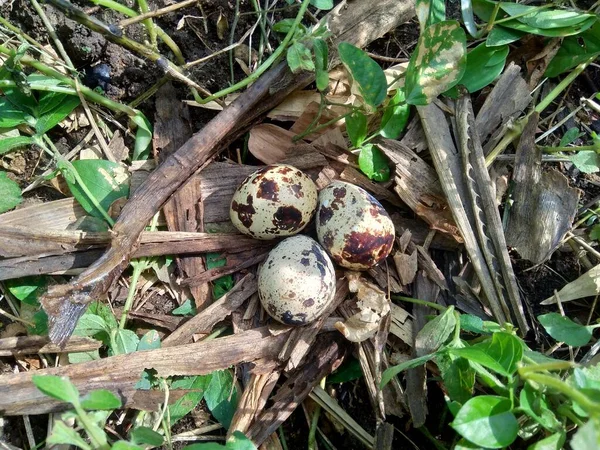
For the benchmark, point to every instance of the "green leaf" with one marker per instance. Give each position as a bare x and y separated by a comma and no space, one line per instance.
502,36
28,289
356,126
565,330
150,341
321,74
104,311
534,405
189,400
91,325
59,388
395,116
62,434
595,233
506,349
391,372
188,308
145,435
437,64
124,445
124,341
501,354
221,396
373,163
299,58
436,331
587,437
487,420
575,50
554,18
587,161
10,193
283,26
474,324
11,115
458,376
570,136
430,12
484,64
40,323
552,442
350,370
325,5
370,78
239,441
81,357
221,285
550,32
478,355
10,143
147,380
143,137
53,108
107,181
100,399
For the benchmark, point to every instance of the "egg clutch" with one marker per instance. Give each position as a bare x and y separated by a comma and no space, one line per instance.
296,282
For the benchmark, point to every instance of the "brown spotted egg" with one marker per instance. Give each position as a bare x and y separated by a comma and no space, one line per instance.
297,281
275,201
353,226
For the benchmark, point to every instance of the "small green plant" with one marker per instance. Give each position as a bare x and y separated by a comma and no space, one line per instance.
93,410
89,416
528,394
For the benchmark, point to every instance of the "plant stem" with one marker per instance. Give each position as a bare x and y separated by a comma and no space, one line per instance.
268,63
558,365
89,94
312,432
581,148
320,127
563,85
98,439
139,265
574,394
418,302
52,33
148,23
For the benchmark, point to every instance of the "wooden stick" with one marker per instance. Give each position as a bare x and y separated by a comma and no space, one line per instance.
119,374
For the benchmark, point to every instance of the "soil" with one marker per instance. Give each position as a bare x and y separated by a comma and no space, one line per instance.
124,77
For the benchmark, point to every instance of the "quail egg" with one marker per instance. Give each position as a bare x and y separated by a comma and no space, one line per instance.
275,201
297,281
353,226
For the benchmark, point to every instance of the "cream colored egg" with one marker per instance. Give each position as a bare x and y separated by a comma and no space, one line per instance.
275,201
297,281
353,227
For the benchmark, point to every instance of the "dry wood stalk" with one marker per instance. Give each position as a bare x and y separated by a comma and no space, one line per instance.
28,345
119,374
463,180
219,310
183,211
326,355
355,22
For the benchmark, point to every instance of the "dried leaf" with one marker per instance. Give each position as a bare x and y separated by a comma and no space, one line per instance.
586,285
270,143
373,305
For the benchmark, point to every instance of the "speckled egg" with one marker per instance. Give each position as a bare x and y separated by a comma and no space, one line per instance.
274,201
297,281
353,226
